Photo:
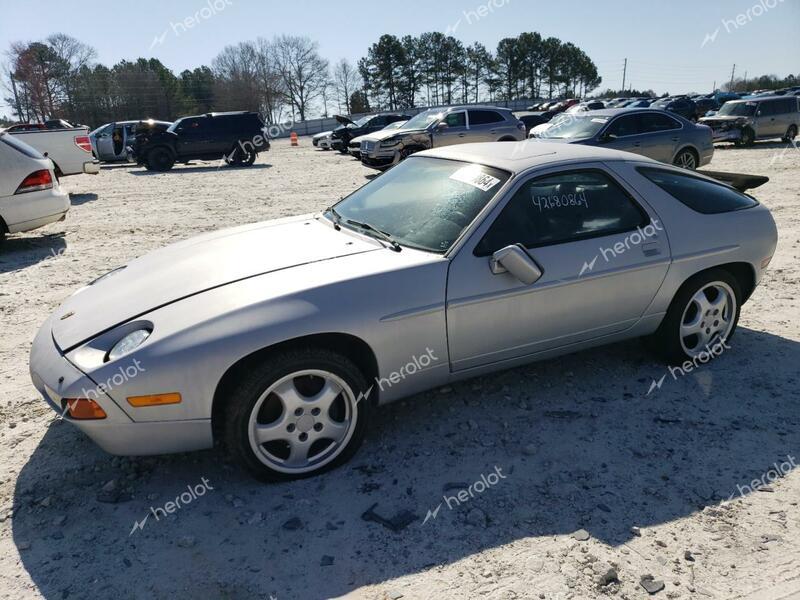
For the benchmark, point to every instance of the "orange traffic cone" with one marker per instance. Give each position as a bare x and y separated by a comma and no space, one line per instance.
293,137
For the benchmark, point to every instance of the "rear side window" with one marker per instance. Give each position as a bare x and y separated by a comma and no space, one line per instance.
20,147
698,194
565,207
484,117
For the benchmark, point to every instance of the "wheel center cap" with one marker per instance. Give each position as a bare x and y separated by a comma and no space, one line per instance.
305,423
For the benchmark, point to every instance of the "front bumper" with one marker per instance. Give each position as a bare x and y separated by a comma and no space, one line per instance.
375,157
92,167
56,378
726,135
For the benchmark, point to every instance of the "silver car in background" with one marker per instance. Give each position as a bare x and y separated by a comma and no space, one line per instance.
657,134
439,127
745,121
280,338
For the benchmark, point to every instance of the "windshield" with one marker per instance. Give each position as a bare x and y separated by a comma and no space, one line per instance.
737,109
174,126
423,119
575,126
423,202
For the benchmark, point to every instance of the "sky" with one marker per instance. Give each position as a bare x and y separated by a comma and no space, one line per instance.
671,45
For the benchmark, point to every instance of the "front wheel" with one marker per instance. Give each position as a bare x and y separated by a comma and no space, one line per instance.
297,414
159,159
701,319
791,133
748,137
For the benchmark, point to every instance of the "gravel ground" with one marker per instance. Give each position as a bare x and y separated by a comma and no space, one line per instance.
590,486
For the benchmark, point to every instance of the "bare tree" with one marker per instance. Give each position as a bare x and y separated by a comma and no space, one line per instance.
347,80
303,70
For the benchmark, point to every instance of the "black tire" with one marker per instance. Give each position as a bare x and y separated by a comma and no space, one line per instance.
748,137
666,341
159,159
791,133
241,158
256,381
406,152
686,159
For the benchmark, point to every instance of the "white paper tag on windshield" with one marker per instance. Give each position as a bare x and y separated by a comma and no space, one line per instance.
476,178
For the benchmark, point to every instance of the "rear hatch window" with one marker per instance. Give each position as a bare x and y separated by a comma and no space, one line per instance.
20,146
698,194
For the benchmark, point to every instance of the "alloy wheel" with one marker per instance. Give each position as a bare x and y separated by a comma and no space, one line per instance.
686,160
708,318
303,421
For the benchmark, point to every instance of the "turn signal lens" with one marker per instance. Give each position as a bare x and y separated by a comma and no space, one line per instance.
155,399
84,409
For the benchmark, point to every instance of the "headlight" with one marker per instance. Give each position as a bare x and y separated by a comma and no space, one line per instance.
389,142
128,344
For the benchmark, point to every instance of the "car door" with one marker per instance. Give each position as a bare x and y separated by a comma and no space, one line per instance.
452,129
624,133
485,125
602,253
765,119
661,135
105,145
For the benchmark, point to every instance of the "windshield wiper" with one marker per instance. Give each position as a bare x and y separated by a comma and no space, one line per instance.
377,233
335,217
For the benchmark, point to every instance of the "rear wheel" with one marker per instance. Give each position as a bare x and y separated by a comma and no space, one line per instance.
159,159
702,317
297,414
791,133
241,158
686,159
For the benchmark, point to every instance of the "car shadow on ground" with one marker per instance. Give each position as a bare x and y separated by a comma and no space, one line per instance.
18,253
209,168
577,442
78,199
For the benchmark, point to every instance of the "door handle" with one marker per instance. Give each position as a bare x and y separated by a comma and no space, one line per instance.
675,139
637,144
651,249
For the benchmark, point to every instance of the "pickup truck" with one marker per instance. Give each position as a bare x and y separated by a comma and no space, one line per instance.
70,148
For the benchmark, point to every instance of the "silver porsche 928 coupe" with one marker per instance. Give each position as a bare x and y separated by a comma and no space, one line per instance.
280,338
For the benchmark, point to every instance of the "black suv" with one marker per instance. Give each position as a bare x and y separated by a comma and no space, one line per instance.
236,137
679,105
348,130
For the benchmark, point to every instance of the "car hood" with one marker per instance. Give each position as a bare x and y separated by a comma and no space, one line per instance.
385,134
343,120
716,117
197,265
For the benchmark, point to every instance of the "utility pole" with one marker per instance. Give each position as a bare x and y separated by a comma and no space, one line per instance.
624,72
16,97
733,70
745,81
714,87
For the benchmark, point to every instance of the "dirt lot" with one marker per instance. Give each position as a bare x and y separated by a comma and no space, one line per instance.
592,483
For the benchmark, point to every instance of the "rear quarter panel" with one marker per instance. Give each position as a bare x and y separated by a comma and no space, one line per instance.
702,241
59,144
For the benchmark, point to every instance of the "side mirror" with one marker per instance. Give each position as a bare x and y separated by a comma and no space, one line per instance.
606,137
442,126
515,260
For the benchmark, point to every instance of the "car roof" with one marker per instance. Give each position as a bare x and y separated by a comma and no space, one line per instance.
613,112
516,157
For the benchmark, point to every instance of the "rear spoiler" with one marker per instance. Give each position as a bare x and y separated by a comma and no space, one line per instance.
738,181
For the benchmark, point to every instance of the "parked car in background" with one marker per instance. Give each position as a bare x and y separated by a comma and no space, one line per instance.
69,148
438,127
270,338
656,134
531,119
635,103
30,195
705,105
682,106
341,136
111,142
745,121
584,106
316,138
354,147
235,137
325,141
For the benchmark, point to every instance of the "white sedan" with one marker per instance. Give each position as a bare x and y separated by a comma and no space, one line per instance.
30,195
